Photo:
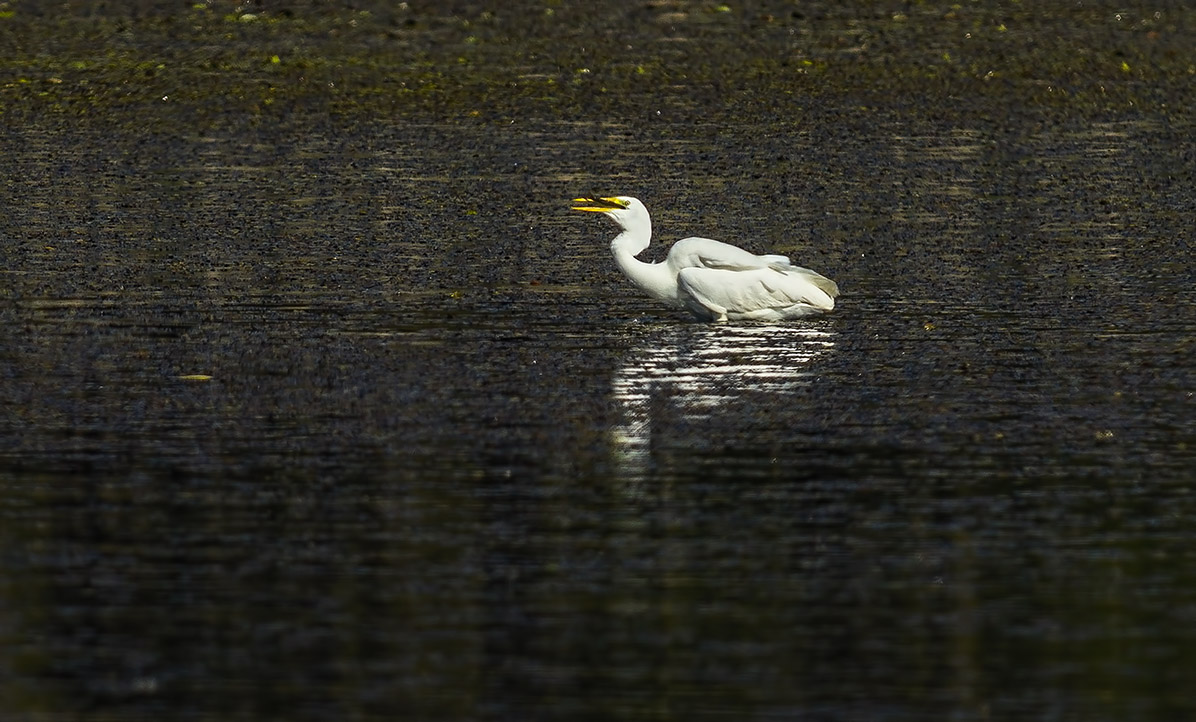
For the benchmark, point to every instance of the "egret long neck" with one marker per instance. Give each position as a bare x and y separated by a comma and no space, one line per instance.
657,279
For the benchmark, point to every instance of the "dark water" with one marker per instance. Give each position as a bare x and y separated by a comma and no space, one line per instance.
447,466
318,419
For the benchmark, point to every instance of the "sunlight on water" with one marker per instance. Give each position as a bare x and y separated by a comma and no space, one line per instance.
696,370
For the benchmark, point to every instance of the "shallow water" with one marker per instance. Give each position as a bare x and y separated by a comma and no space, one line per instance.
305,422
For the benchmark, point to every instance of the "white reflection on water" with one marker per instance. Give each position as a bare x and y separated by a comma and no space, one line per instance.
696,370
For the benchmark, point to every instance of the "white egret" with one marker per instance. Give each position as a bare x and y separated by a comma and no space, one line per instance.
713,280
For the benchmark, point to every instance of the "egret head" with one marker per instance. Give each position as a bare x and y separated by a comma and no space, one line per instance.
625,210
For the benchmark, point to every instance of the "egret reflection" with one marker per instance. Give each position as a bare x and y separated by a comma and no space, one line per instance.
697,372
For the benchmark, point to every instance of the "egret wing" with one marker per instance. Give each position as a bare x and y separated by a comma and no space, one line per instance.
709,253
761,293
825,284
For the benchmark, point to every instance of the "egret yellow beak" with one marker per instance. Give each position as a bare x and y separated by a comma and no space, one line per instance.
598,205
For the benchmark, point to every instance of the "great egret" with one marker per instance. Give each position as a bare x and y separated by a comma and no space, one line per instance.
715,281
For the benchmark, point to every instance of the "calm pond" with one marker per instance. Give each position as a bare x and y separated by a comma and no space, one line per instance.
330,420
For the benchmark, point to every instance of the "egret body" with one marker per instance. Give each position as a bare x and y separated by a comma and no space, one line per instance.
713,280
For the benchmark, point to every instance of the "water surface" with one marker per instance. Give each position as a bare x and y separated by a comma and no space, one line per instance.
355,420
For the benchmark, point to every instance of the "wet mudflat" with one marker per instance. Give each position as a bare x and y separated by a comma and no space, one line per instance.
328,408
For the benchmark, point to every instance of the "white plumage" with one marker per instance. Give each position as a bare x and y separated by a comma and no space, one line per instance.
714,280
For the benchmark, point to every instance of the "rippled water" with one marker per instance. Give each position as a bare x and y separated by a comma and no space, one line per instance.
363,424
